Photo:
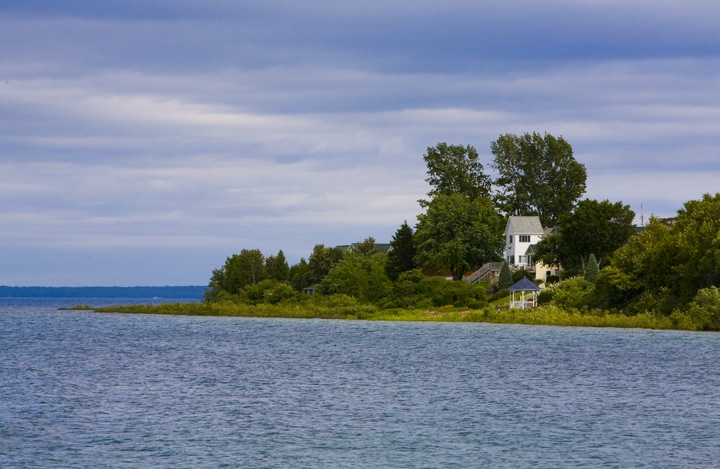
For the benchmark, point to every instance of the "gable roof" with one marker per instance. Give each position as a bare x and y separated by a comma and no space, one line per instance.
524,284
525,225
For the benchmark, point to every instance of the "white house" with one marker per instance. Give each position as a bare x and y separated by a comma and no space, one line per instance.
521,235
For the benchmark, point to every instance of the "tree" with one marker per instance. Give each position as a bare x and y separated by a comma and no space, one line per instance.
359,275
321,261
366,248
299,275
277,267
592,270
454,169
240,270
402,252
506,278
458,233
538,175
592,227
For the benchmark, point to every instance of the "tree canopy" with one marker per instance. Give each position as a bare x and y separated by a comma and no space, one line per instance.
593,227
458,233
538,175
455,169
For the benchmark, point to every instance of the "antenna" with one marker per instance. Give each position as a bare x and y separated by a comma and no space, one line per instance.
642,215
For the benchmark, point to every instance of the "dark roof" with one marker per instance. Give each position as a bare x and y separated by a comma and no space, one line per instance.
524,285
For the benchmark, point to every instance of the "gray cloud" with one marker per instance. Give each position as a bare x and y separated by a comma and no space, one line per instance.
134,132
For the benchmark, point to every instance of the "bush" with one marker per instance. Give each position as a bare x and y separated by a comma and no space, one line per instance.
519,274
704,310
575,292
411,292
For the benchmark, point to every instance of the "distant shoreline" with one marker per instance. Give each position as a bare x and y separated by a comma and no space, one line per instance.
195,292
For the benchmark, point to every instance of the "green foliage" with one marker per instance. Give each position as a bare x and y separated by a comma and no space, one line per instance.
454,169
358,275
572,293
299,275
592,270
457,233
505,279
269,291
502,293
538,175
704,310
321,261
592,227
246,268
412,289
668,263
277,267
401,257
519,274
366,248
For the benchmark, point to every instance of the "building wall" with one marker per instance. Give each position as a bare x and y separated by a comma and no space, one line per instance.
515,249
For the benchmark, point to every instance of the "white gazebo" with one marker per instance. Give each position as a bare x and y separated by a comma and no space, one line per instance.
524,294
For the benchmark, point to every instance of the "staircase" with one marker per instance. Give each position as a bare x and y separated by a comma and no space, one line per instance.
491,269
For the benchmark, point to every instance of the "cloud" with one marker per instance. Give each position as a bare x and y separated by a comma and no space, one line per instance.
144,130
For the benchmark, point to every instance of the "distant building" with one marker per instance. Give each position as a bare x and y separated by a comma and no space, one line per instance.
521,236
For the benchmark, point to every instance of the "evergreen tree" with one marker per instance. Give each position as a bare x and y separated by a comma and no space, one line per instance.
506,278
402,252
592,270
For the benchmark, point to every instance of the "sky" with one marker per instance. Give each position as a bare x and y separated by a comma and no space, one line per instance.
142,142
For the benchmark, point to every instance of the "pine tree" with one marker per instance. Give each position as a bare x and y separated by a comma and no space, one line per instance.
402,253
506,278
592,269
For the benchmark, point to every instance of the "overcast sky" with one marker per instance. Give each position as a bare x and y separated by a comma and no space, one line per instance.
144,141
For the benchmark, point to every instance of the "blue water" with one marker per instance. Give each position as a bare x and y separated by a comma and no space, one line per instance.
80,389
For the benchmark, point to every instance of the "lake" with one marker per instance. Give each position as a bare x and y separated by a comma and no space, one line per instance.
81,389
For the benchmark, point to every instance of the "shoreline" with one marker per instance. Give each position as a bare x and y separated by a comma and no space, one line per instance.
549,315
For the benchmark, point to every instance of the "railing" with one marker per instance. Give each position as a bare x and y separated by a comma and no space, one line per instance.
483,272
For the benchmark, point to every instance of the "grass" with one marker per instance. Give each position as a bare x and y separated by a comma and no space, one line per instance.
545,315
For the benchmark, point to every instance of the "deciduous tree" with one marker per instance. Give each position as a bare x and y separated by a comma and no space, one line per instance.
455,169
538,175
592,227
458,233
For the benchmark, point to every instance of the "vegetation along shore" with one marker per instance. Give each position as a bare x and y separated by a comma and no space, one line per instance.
594,266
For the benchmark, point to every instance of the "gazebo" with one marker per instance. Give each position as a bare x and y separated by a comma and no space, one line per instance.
523,294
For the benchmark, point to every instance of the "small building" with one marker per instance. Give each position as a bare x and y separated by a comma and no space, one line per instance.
523,294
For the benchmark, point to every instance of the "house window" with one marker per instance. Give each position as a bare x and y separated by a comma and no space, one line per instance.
524,238
509,239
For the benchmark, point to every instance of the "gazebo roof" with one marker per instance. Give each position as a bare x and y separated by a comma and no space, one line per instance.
524,285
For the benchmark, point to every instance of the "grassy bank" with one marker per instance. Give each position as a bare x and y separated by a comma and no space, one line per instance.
545,315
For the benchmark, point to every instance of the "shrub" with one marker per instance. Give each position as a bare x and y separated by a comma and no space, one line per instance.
571,293
704,310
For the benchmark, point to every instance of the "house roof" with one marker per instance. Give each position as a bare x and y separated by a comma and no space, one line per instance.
524,284
524,225
381,247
